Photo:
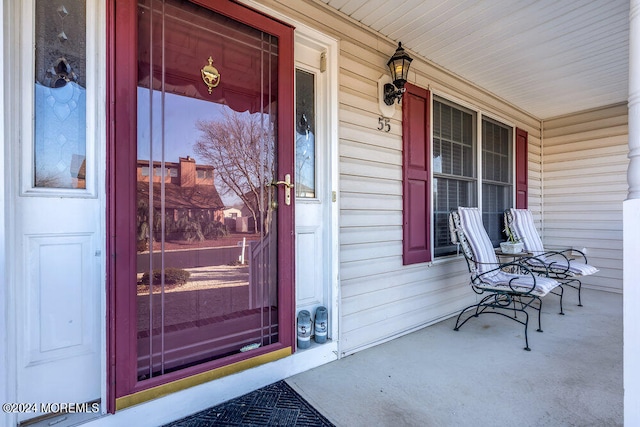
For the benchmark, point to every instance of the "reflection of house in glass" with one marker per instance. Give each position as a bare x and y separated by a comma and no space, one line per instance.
233,219
193,208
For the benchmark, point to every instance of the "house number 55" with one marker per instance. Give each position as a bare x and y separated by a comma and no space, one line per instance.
383,124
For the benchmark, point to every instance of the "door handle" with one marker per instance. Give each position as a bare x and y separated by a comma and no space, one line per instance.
287,188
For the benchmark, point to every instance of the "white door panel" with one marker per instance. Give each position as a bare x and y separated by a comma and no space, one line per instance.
58,321
310,278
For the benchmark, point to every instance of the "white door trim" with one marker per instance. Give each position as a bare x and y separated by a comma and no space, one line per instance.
7,379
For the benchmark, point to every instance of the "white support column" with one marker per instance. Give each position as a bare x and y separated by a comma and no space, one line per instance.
633,173
631,232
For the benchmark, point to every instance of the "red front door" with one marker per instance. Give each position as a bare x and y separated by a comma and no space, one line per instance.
201,271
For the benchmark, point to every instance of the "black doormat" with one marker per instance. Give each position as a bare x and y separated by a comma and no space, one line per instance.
274,405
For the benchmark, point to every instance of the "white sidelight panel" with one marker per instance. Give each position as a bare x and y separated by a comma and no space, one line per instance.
56,198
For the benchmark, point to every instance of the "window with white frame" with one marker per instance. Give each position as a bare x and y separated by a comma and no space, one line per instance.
454,167
456,182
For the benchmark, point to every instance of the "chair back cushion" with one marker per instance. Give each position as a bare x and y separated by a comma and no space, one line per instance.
474,231
525,229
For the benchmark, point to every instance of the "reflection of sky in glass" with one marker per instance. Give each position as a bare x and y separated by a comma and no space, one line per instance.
305,164
305,134
180,132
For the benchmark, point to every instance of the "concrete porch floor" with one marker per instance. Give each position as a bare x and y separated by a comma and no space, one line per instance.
481,376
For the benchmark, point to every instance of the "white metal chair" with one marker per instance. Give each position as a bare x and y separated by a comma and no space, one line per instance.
503,292
558,264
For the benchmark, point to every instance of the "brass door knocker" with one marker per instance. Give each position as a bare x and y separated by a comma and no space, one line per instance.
210,75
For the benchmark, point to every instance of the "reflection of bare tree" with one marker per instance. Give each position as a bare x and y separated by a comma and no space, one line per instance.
240,147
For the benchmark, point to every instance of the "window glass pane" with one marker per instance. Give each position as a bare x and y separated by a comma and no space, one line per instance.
449,195
446,157
456,160
495,200
468,124
444,128
468,160
305,135
497,187
437,156
60,99
454,182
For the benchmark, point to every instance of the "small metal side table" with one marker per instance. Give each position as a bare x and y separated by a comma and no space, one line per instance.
514,258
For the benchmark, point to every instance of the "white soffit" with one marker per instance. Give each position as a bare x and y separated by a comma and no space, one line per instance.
547,57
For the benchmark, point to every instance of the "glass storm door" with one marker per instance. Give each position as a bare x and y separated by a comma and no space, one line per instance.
211,225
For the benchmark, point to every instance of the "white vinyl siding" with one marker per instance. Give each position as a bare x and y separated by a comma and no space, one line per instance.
381,298
585,183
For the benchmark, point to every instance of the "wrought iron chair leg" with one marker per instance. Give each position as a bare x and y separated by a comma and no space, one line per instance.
526,326
458,324
478,311
561,296
579,293
574,283
539,315
492,302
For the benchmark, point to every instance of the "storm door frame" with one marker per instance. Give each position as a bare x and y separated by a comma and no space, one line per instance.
123,388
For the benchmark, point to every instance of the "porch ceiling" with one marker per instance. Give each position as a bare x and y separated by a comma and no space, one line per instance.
546,57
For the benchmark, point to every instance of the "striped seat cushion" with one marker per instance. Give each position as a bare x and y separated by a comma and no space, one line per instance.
485,255
561,264
506,282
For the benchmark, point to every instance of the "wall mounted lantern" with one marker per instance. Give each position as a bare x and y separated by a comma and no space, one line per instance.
399,67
